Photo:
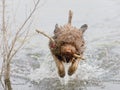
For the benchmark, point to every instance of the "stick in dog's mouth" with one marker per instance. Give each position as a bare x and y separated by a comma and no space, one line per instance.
78,56
75,55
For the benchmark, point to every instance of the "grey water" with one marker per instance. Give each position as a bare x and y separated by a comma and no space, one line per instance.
33,67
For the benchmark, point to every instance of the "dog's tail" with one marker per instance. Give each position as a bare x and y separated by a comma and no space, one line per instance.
70,17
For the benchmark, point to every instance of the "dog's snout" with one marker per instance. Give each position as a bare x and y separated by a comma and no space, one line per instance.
68,51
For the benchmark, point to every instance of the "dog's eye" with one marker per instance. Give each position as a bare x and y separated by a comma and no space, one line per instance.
82,45
62,42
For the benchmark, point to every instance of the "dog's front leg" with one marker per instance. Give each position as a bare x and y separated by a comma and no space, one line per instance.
60,66
73,67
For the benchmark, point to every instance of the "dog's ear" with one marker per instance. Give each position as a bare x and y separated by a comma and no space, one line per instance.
83,28
56,28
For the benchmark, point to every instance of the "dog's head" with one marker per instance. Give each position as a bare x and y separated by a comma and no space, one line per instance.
68,41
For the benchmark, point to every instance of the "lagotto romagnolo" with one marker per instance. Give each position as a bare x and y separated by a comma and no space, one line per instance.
67,46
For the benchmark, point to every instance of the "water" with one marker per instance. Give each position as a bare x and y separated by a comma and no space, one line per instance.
34,69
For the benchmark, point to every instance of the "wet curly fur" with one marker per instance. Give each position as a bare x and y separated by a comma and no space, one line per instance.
68,41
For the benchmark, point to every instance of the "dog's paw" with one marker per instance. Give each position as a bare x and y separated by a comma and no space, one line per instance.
61,74
72,69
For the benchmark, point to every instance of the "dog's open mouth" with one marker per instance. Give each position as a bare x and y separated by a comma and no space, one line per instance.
67,57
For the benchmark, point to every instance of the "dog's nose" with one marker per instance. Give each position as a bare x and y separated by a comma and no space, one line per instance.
68,51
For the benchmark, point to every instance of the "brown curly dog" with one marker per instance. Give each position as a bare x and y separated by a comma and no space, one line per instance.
68,46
